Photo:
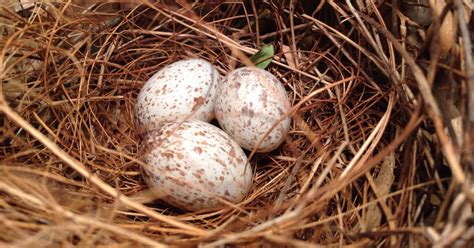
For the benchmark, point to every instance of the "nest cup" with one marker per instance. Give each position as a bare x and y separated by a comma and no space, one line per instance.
373,156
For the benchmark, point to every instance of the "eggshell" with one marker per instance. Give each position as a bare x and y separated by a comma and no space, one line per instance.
249,101
192,163
183,90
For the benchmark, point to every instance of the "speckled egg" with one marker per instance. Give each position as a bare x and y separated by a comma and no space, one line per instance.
249,102
192,164
183,90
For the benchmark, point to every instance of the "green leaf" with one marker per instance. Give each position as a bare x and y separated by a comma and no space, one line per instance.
263,58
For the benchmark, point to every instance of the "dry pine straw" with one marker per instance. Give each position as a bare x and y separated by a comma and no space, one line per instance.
367,160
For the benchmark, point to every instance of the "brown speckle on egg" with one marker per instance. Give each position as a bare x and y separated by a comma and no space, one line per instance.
198,102
198,149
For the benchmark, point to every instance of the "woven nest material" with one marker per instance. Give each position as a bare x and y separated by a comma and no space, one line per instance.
379,151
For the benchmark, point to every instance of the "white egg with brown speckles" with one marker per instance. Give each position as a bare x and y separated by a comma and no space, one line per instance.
183,90
249,101
193,164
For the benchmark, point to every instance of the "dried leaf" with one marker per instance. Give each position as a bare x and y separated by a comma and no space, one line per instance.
14,87
383,184
448,29
385,177
14,5
419,12
288,56
263,58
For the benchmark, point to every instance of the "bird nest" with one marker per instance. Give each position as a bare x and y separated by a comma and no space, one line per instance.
379,151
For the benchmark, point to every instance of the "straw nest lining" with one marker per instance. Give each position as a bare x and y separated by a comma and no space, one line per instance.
367,161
